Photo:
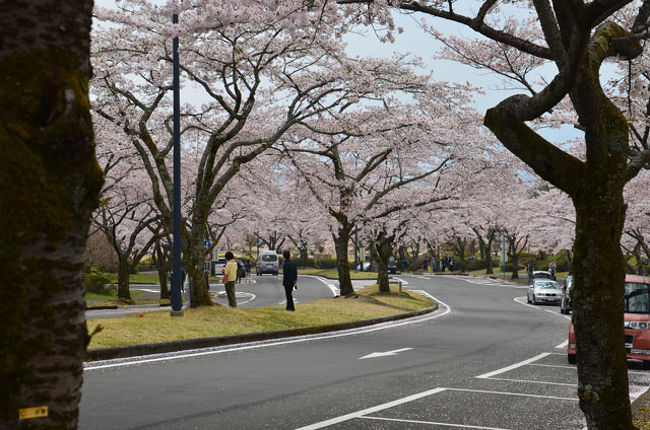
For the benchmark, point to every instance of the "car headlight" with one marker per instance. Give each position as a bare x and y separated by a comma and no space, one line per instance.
636,325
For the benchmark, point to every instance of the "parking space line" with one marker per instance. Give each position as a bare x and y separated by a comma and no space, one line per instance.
514,366
530,381
360,414
562,345
432,423
566,366
509,393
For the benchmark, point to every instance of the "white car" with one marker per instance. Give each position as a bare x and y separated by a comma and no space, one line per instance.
544,291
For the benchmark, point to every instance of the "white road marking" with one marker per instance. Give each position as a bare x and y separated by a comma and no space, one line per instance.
562,345
433,423
371,410
362,413
384,354
487,281
514,366
531,381
565,366
521,301
262,344
335,291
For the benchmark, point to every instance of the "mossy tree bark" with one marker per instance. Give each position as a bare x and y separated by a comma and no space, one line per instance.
50,185
596,188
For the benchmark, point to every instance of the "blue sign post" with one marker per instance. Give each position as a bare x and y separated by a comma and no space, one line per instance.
206,244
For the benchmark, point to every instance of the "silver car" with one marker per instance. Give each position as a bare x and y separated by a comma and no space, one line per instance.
544,291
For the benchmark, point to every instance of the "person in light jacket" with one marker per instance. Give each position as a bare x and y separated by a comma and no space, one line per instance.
289,279
229,278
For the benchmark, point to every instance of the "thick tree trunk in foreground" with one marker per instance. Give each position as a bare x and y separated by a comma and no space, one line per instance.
50,183
596,188
598,307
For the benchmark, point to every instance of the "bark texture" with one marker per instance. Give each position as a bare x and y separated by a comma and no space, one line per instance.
50,181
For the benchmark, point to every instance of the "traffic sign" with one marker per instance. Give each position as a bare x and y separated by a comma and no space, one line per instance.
206,244
208,256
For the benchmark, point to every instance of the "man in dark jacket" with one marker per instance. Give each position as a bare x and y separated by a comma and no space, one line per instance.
289,279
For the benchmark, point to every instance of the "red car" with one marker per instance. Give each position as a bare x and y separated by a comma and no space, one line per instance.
637,321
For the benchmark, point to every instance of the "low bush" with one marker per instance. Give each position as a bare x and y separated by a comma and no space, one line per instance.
96,283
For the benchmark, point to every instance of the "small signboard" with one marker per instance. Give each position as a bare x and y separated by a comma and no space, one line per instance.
208,256
206,244
29,413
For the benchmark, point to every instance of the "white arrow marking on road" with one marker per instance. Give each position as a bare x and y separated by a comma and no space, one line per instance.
384,354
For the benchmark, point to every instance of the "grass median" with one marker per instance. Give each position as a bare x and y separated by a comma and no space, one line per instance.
223,321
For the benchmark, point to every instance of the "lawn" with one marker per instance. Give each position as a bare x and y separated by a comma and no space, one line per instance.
222,320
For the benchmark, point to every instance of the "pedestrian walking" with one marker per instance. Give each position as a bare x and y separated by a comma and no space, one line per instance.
529,269
229,278
289,279
451,264
425,265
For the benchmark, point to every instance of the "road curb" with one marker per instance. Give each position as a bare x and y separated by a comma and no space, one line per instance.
209,342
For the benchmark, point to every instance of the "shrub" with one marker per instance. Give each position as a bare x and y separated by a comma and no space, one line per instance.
96,283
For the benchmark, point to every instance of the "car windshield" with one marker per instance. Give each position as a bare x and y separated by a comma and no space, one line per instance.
269,257
546,285
636,298
542,275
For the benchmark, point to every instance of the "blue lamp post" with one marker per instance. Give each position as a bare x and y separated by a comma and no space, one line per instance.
175,293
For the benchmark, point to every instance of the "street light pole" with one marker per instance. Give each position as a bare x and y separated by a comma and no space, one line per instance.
175,293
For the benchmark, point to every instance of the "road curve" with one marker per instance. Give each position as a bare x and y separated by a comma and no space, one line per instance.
489,362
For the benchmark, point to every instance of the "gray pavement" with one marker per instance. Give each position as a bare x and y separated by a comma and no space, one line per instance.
488,360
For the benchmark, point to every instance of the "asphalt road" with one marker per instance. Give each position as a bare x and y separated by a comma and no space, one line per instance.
485,360
265,290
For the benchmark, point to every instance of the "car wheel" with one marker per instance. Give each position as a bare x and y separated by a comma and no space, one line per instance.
534,301
527,298
572,358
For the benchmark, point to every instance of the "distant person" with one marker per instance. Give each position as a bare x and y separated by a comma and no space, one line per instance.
289,279
230,277
552,267
451,264
530,267
249,267
425,265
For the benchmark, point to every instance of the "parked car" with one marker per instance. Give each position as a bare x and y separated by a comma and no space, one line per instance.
566,305
542,274
219,265
636,321
544,291
267,262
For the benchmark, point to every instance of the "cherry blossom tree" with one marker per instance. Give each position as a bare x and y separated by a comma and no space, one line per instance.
259,68
576,37
51,181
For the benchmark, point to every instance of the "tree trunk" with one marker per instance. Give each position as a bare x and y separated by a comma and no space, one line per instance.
51,182
161,258
341,242
596,188
381,249
193,259
599,275
123,272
